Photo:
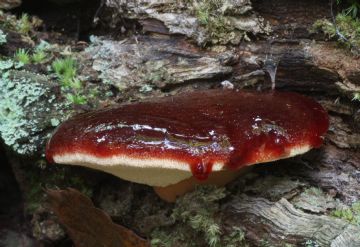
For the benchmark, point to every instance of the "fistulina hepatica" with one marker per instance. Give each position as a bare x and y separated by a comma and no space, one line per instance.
190,138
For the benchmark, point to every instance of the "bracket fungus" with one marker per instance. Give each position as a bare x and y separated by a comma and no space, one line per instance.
174,142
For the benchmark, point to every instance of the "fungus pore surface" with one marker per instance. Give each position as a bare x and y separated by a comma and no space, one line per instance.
193,133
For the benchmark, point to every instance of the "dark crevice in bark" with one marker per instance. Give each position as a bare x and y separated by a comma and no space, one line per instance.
10,196
73,18
292,19
11,205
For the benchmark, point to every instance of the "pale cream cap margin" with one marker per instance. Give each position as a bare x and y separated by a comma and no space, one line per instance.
153,172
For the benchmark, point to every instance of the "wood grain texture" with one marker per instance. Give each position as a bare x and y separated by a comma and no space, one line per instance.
281,220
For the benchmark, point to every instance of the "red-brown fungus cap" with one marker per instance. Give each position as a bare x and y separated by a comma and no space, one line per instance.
166,140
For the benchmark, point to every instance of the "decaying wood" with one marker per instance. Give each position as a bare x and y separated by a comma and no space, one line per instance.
158,62
305,61
281,220
179,17
292,19
273,205
9,4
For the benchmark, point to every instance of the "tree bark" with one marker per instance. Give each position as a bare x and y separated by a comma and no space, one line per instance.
274,202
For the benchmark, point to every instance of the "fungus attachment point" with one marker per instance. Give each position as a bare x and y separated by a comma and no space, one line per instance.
171,192
174,143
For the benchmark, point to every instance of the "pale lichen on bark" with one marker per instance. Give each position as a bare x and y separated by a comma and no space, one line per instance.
27,105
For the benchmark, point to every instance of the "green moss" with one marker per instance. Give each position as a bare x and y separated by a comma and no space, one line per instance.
313,191
356,96
210,16
196,222
235,239
161,239
352,7
347,30
350,214
22,56
65,69
24,24
265,243
223,21
39,56
197,211
9,22
76,99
